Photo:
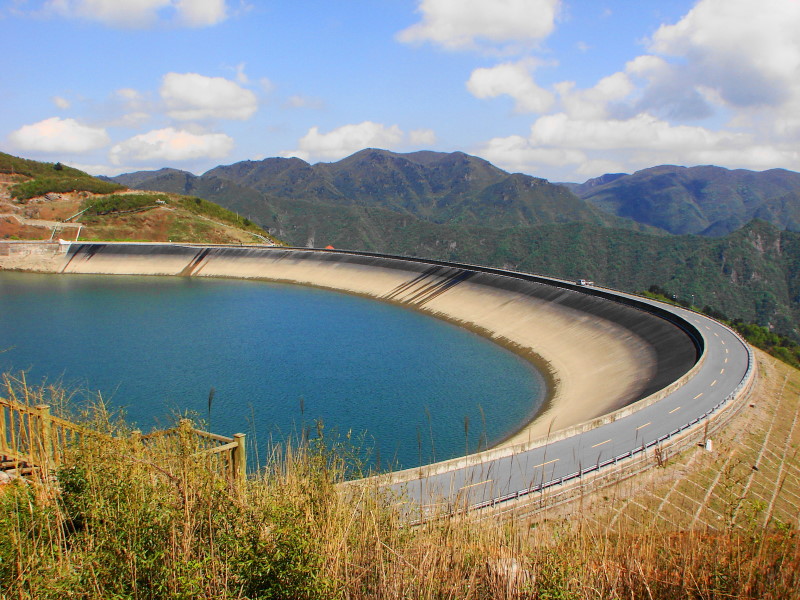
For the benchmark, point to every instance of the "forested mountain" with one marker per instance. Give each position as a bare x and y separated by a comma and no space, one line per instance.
452,188
702,200
459,207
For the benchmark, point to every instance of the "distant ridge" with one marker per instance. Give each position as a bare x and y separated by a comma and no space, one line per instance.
444,188
704,200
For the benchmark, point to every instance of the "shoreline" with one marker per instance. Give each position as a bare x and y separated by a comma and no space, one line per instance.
610,371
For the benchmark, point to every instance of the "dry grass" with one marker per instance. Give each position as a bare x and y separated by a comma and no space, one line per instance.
162,525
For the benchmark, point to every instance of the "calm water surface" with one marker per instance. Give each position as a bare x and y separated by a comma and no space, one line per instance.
279,357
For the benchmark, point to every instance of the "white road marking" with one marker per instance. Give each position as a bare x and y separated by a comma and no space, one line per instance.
698,395
713,383
643,426
601,443
674,409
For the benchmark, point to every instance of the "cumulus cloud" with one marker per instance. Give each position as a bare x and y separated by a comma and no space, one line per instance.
200,13
514,80
641,131
726,55
721,85
347,139
749,53
471,24
516,153
593,103
171,144
190,96
61,102
422,137
142,13
59,135
591,147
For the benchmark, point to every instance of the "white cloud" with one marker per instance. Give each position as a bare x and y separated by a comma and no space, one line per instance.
108,170
732,54
59,135
641,131
347,139
593,103
514,80
749,53
200,13
591,147
171,145
142,13
266,85
61,102
470,24
190,96
132,120
719,86
299,101
241,76
516,153
422,137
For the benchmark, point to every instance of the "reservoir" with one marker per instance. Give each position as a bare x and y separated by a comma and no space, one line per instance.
280,359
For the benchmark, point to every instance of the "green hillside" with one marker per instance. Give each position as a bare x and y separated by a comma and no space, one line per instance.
703,200
37,178
437,187
42,200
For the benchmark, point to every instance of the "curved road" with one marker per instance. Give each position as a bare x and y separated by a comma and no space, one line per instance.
726,366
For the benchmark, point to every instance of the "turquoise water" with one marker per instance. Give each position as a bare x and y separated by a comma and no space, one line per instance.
279,357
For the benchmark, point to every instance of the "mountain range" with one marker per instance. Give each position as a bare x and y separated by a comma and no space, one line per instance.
718,237
703,200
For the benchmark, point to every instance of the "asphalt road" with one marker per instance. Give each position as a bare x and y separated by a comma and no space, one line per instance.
725,366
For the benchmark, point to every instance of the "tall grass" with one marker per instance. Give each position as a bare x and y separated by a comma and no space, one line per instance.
119,520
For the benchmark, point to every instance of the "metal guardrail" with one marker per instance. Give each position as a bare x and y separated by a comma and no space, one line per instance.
637,452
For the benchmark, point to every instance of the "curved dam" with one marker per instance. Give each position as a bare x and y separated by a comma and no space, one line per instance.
601,351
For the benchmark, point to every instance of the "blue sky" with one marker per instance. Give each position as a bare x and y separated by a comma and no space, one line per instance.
559,89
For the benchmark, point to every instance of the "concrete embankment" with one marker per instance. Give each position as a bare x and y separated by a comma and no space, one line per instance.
600,355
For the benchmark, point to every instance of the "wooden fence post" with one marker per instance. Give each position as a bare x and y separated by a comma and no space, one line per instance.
3,433
239,459
45,438
136,442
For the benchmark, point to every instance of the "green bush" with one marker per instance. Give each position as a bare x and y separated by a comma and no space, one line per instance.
121,203
62,184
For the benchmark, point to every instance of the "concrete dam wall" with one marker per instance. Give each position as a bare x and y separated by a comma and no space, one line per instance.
600,352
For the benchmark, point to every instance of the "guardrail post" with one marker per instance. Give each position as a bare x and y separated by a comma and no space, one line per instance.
45,438
239,459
